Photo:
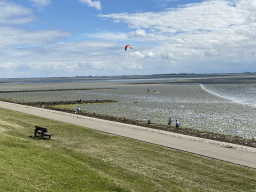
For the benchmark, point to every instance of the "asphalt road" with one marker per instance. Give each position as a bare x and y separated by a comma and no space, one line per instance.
176,141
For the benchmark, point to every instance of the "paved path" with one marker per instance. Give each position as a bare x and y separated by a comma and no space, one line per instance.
238,154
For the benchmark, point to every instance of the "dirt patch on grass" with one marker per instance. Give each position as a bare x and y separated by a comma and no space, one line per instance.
14,125
44,145
2,129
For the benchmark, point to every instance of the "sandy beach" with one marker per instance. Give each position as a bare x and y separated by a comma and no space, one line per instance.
241,155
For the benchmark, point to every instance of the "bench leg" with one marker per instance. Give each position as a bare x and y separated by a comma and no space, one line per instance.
42,135
35,133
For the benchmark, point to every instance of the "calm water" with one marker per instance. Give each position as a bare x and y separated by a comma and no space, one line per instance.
223,104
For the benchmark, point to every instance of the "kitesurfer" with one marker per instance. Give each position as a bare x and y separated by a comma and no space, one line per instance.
125,48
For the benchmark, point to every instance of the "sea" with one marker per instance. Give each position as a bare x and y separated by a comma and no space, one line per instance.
238,93
222,103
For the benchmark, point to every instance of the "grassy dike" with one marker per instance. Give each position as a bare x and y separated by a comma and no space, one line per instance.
82,159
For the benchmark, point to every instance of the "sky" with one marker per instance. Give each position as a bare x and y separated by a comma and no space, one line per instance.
65,38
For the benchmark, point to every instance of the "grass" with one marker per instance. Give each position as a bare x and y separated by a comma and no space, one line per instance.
81,159
70,106
73,106
27,167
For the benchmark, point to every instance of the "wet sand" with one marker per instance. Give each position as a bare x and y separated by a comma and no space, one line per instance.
180,99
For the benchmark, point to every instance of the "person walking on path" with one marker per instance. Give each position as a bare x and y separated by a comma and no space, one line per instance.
177,124
170,121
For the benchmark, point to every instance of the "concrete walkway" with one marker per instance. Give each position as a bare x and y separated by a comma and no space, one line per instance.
241,155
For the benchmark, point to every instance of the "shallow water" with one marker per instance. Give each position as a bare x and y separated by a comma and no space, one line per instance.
191,105
212,107
238,93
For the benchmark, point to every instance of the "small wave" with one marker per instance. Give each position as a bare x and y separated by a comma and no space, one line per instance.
243,101
214,93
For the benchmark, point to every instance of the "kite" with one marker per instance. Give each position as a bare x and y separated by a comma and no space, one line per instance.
127,46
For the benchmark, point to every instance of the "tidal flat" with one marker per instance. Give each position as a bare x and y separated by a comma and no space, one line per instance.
156,100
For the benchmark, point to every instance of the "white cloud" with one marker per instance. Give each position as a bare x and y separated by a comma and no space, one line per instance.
11,14
108,36
137,54
40,3
61,55
180,41
138,33
150,54
143,54
94,4
207,30
168,56
12,37
192,19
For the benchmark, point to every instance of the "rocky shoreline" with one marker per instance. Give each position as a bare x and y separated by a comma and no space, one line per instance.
181,130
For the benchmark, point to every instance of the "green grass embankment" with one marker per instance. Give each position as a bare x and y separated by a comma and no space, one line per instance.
81,159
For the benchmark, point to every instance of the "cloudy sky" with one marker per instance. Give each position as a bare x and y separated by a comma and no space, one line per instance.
53,38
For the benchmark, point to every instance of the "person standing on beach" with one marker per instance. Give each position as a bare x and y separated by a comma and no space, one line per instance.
170,121
177,124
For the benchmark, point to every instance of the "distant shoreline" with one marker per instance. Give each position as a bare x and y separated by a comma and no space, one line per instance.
218,76
134,76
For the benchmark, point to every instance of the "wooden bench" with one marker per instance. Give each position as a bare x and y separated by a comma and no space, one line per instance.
42,132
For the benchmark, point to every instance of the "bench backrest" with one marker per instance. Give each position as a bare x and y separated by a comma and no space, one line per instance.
40,129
